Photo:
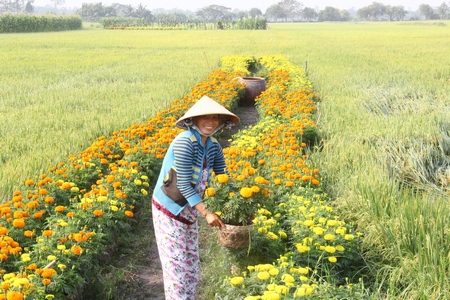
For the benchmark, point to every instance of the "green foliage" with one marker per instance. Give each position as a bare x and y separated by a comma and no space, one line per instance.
32,23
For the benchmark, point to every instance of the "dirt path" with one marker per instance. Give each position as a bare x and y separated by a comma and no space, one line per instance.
149,274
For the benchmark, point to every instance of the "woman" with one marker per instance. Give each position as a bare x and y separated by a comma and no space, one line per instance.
177,199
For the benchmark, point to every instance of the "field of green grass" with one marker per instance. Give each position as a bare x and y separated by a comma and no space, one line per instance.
383,115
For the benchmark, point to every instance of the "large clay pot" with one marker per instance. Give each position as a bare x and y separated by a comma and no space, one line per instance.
253,88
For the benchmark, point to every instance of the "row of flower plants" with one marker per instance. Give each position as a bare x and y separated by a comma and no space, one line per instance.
301,246
56,228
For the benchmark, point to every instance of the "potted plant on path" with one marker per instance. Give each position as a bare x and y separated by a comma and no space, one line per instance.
236,201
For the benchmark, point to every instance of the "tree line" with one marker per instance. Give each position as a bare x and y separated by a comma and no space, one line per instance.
284,11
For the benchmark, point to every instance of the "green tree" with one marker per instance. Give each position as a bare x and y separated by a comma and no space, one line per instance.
29,8
275,12
329,14
12,5
255,12
291,8
214,13
443,11
309,14
427,11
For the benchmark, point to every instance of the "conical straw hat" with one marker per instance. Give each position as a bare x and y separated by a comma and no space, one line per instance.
206,106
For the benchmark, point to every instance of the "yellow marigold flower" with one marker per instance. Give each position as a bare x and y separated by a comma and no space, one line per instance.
278,181
264,275
61,247
255,189
287,278
302,248
330,249
210,192
25,257
340,248
318,230
75,189
144,192
282,289
237,280
304,278
272,236
303,270
51,257
240,178
114,208
329,237
290,184
62,266
349,237
274,271
271,295
332,259
332,223
308,223
246,192
222,178
231,194
50,296
282,234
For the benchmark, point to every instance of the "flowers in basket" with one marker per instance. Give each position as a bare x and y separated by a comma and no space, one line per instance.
236,200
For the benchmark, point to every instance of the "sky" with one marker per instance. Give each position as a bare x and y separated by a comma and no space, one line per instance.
194,5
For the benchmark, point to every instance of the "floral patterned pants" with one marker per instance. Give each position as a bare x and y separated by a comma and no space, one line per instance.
178,251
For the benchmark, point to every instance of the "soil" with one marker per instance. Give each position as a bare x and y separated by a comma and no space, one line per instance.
149,275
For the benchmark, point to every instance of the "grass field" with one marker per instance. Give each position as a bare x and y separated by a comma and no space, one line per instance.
384,117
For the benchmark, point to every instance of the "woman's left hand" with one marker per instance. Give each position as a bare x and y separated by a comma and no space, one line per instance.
214,220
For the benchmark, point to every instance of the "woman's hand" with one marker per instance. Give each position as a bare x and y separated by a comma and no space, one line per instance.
214,220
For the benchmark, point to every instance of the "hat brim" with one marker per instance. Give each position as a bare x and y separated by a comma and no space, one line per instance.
207,106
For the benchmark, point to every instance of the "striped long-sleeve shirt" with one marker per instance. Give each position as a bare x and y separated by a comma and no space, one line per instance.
188,154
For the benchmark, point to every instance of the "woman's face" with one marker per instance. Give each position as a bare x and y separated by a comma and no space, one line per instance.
207,123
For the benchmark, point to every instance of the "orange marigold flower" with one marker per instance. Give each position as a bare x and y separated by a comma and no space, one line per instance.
33,204
14,295
49,200
19,223
70,214
48,273
116,184
32,267
98,213
38,214
290,184
47,233
60,208
43,192
29,182
129,213
46,281
76,250
3,231
28,233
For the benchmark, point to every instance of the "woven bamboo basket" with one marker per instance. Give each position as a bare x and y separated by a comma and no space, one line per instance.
235,237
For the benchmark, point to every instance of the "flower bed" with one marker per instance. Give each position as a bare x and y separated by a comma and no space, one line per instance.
55,229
